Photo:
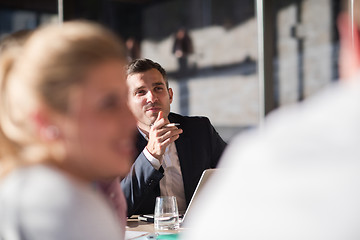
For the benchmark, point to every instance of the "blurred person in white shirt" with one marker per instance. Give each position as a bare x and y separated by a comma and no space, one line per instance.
299,177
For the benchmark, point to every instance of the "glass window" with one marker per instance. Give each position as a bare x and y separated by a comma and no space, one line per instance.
19,15
208,48
306,48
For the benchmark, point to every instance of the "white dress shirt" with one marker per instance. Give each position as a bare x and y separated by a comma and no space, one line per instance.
172,182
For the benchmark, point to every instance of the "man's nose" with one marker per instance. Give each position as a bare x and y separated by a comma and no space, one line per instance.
151,96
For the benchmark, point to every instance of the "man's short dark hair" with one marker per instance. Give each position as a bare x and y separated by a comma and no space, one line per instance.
143,65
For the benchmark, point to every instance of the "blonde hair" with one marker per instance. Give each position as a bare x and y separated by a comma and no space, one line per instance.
14,39
42,73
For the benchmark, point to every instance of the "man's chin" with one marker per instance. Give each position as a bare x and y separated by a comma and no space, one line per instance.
152,122
149,121
152,118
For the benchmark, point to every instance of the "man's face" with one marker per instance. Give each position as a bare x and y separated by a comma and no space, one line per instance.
148,95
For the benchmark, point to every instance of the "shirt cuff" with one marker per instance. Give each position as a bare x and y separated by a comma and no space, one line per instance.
154,162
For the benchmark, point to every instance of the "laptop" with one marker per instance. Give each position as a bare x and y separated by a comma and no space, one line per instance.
205,176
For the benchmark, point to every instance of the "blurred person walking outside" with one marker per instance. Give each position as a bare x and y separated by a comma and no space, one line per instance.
65,129
299,178
133,49
182,48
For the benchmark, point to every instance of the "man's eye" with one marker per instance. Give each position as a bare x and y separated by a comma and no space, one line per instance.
140,92
159,89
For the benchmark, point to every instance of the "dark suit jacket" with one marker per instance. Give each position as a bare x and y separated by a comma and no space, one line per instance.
199,147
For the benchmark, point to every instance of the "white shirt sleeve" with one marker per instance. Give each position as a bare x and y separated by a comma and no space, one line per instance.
154,161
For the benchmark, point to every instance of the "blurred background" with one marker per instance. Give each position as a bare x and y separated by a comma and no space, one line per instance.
233,61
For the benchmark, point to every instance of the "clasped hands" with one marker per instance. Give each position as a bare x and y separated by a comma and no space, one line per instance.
161,136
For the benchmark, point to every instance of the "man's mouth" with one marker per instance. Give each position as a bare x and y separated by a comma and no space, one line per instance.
153,109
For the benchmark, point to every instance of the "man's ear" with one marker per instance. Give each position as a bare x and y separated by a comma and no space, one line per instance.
349,60
170,94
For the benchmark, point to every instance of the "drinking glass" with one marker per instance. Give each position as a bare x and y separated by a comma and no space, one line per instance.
166,216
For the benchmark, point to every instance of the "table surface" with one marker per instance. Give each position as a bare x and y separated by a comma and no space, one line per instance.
134,224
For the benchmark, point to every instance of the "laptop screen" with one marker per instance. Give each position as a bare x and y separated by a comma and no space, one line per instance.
203,179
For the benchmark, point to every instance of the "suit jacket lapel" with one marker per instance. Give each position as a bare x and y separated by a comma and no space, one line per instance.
140,143
183,147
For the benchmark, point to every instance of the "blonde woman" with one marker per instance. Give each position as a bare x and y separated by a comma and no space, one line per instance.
64,125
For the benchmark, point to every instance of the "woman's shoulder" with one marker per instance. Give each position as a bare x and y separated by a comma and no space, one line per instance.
35,180
43,199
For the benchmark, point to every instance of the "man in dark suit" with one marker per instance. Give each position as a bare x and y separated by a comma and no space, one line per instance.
170,158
